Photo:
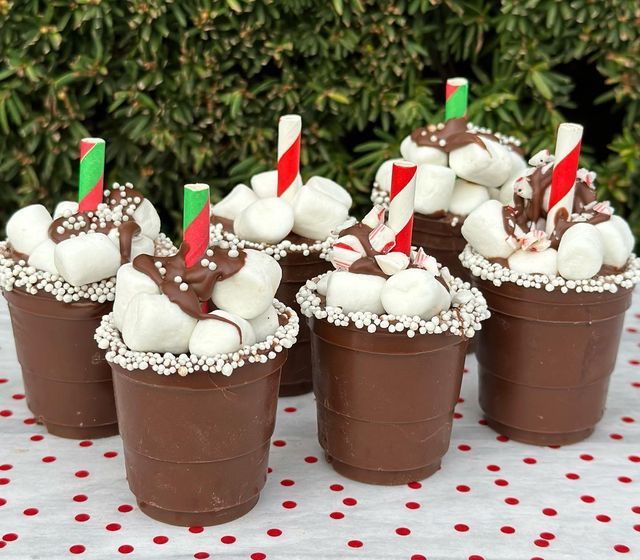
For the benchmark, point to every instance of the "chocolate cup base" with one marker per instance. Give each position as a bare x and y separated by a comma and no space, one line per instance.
382,478
538,438
202,519
75,432
295,389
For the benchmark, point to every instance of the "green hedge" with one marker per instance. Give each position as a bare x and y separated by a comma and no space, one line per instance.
189,89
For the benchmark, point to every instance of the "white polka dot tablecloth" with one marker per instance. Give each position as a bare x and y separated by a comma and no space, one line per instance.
494,499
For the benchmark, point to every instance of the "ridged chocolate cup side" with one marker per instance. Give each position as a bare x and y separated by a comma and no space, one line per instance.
442,241
545,359
196,448
385,401
296,270
67,381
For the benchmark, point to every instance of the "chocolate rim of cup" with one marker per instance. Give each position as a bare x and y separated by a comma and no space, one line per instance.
484,269
19,274
110,340
468,309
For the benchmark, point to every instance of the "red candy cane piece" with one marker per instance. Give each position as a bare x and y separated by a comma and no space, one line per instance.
403,191
427,262
382,239
289,133
346,250
375,217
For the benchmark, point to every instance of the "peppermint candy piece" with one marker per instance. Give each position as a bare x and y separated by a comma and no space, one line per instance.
543,157
586,176
393,262
426,262
535,240
522,188
603,208
382,239
375,217
346,250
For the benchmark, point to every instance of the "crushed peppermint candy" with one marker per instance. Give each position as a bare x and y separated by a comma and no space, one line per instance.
498,274
109,339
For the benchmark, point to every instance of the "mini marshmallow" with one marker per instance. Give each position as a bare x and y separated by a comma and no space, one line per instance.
615,234
249,292
535,262
267,220
87,258
581,252
355,292
266,324
265,185
490,167
422,154
316,214
28,227
467,197
130,283
147,218
392,263
42,257
414,292
153,323
383,175
65,206
212,337
332,189
140,244
484,231
434,187
235,202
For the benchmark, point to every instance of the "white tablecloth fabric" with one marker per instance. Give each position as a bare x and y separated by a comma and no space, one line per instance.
492,500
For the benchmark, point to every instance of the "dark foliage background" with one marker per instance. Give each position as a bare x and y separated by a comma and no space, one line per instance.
189,89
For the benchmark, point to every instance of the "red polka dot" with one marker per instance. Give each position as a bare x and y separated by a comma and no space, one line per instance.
547,536
228,539
2,501
3,380
5,413
541,543
37,437
457,416
113,527
603,518
18,396
634,458
111,454
461,527
85,443
572,476
622,548
337,487
412,505
77,549
80,498
82,517
628,420
290,409
462,488
258,556
615,436
586,457
464,447
501,482
48,459
482,422
403,531
475,557
82,474
29,421
196,529
418,557
125,508
414,485
161,539
636,528
493,468
269,470
289,504
30,512
550,512
311,459
336,515
125,549
587,499
6,467
4,481
279,443
502,439
201,555
10,537
287,482
625,479
507,530
529,461
349,501
355,544
635,509
274,532
511,501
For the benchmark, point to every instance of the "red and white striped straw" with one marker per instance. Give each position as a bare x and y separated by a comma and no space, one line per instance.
403,192
289,132
563,179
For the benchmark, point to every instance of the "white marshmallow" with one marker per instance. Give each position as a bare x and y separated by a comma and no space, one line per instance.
265,185
267,220
422,154
490,167
415,292
153,323
140,244
467,197
235,202
87,258
484,231
130,283
65,206
494,194
266,324
518,163
383,175
249,292
332,189
434,187
506,190
42,257
28,227
615,233
323,283
355,292
535,262
580,254
316,214
212,337
147,218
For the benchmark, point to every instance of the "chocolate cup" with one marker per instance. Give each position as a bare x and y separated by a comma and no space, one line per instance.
545,359
385,401
67,381
296,270
442,241
196,448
